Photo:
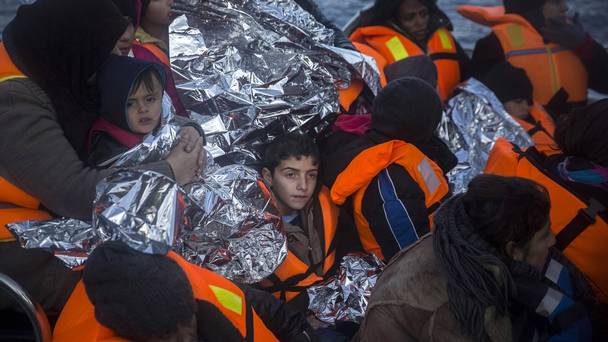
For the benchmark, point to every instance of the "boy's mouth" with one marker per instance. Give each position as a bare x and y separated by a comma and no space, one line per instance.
145,121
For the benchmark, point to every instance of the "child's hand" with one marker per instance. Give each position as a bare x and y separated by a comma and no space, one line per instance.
186,164
189,135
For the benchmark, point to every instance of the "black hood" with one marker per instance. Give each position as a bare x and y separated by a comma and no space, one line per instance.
116,80
407,109
60,45
383,12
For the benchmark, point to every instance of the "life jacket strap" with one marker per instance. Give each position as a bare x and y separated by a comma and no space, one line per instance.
444,55
583,219
248,321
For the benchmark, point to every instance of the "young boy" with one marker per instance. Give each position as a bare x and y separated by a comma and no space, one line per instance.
513,88
131,106
131,94
290,170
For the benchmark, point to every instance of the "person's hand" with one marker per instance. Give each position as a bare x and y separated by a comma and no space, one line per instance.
569,35
189,135
186,165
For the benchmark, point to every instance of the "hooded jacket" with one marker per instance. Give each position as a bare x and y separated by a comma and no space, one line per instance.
111,134
489,52
390,122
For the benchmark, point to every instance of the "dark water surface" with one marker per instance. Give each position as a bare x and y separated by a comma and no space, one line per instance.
594,15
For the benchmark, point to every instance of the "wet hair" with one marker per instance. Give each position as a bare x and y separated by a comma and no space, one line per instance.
147,77
290,145
582,133
504,209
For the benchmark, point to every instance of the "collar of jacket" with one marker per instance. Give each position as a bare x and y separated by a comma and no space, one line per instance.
145,38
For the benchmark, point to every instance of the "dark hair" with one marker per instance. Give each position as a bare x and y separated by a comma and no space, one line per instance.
504,209
290,145
471,233
582,133
147,77
139,296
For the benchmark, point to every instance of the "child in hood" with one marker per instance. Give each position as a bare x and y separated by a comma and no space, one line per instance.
131,93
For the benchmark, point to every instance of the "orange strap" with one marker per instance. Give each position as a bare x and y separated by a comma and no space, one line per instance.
158,52
8,70
9,193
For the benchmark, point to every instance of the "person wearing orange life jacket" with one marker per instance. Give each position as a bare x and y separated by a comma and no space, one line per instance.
577,181
561,59
512,87
46,109
290,169
129,295
390,180
400,29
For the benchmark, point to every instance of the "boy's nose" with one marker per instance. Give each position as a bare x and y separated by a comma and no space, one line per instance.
142,108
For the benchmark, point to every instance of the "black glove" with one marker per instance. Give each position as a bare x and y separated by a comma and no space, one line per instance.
569,35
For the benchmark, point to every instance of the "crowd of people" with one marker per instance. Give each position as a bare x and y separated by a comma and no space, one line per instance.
517,257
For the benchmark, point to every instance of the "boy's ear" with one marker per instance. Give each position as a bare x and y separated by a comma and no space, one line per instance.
514,252
267,176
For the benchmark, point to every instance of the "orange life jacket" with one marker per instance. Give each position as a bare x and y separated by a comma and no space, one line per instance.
350,94
542,131
158,52
294,276
550,67
26,206
580,232
357,177
393,46
77,320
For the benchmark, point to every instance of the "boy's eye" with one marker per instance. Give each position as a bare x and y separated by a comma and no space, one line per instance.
150,99
290,174
129,104
313,175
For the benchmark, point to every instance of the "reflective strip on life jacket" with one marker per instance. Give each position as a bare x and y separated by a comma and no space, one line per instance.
294,276
26,205
77,320
550,67
580,231
393,46
364,168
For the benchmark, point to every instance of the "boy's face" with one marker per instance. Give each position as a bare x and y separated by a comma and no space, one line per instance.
293,182
159,12
519,108
144,108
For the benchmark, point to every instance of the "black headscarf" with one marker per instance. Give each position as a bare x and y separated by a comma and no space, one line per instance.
60,45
